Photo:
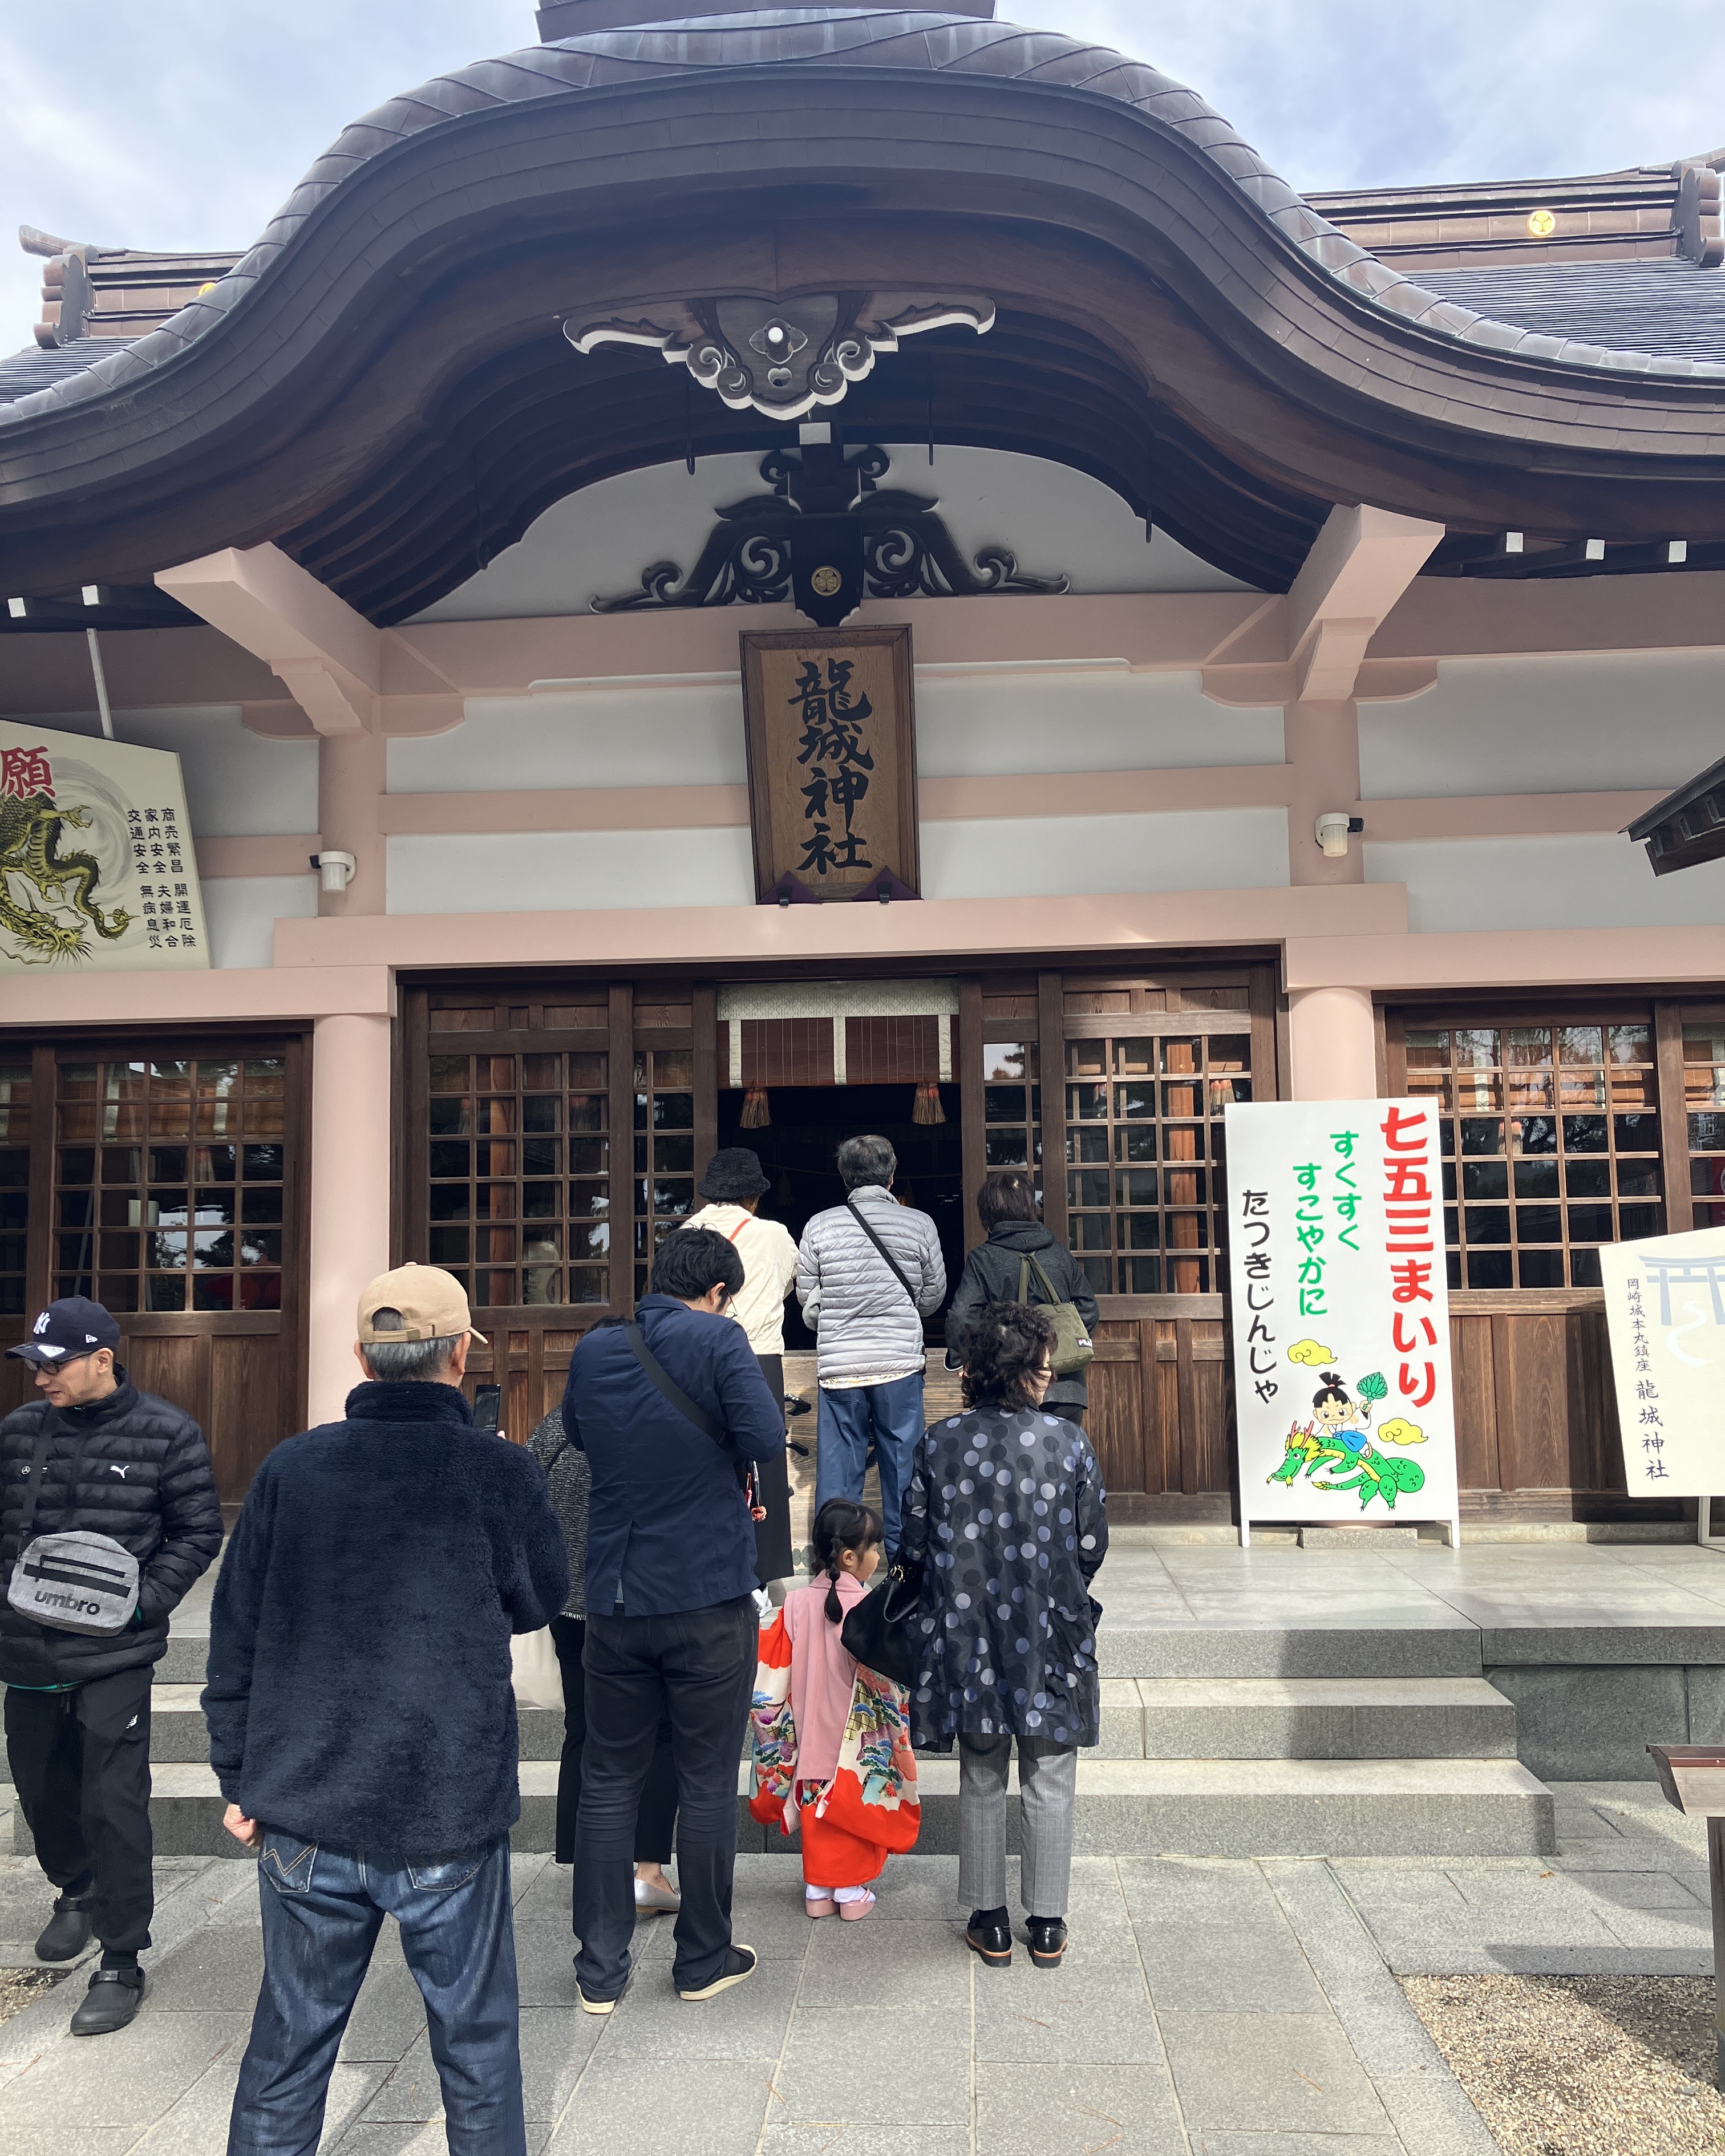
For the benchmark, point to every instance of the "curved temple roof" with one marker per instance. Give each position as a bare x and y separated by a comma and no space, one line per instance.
367,389
792,37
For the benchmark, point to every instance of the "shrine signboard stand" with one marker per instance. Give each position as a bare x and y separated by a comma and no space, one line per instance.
1694,1779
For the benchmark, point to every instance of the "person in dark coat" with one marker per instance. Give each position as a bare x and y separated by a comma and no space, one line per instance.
1006,1205
105,1458
1005,1512
362,1726
570,1481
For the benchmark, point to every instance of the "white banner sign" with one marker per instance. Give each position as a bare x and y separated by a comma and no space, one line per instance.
97,867
1341,1311
1665,1308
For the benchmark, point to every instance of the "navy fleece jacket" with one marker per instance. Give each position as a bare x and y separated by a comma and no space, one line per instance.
358,1689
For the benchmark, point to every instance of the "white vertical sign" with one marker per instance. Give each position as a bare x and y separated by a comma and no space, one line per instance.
1665,1310
1340,1312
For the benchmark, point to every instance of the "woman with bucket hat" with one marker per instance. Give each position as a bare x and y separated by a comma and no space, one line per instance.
734,1185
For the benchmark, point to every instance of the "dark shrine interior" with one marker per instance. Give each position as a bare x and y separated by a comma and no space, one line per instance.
797,1150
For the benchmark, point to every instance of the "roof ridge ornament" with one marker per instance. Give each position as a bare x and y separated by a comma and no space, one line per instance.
782,357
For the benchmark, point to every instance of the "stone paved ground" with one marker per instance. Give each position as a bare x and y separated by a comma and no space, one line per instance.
1207,2008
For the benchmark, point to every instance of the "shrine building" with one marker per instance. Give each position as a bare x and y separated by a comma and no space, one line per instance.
790,572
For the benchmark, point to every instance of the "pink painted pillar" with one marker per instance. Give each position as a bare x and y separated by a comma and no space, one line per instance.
1332,1043
351,772
1322,747
350,1194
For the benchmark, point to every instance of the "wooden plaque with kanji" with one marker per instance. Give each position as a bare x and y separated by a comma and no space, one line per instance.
832,749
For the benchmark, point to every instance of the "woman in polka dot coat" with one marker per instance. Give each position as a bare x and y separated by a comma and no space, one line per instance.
1006,1511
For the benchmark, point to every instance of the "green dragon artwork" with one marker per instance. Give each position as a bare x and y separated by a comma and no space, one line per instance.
29,852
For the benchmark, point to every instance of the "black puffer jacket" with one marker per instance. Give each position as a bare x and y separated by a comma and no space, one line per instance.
991,1275
144,1478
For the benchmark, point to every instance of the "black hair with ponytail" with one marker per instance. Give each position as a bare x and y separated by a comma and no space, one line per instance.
839,1526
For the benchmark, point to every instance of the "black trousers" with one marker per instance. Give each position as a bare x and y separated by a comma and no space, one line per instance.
773,1559
81,1761
656,1823
698,1666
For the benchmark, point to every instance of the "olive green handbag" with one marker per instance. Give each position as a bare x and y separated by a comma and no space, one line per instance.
1073,1347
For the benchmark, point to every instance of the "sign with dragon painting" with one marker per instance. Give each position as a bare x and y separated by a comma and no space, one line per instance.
1341,1317
97,867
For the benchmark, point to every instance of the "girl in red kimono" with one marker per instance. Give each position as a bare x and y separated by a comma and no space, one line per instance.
832,1745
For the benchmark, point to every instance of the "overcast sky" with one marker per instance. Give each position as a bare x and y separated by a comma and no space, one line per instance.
184,123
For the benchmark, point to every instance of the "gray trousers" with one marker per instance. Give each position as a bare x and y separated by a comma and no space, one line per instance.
1047,1781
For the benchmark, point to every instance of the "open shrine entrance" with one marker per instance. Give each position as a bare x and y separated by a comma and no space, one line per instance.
553,1131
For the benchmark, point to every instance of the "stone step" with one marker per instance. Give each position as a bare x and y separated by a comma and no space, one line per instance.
1310,1718
1124,1808
1390,1649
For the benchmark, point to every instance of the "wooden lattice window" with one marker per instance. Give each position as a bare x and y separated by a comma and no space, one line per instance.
1143,1145
14,1182
1704,1104
664,1151
1012,1105
1551,1134
169,1181
519,1161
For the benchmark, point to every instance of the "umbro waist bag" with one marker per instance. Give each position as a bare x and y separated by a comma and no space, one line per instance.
75,1582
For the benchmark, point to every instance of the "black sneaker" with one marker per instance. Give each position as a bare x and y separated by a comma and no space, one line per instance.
1048,1941
114,1997
738,1966
990,1935
68,1930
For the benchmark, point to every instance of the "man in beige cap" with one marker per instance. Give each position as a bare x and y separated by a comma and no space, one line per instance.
363,1725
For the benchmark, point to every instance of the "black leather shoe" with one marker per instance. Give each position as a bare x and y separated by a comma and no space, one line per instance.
990,1935
67,1933
1048,1941
114,1997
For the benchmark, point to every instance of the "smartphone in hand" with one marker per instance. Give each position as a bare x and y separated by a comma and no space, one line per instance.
487,1405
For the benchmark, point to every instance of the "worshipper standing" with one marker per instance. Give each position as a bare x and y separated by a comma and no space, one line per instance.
1019,1248
94,1455
362,1726
868,1272
1005,1515
832,1744
569,1480
734,1186
670,1408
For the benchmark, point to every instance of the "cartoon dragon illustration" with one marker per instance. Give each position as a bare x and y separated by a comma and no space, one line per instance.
29,849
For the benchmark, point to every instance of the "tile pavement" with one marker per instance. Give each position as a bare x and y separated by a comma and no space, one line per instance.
1207,2007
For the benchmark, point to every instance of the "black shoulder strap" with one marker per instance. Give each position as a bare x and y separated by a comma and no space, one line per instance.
856,1215
44,1445
673,1392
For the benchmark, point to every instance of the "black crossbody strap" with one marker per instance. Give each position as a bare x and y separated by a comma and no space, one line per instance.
668,1385
855,1213
39,1468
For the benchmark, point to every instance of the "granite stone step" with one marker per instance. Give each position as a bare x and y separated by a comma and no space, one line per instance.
1224,1650
1125,1807
1315,1718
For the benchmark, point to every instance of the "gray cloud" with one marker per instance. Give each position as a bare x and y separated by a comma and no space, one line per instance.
186,123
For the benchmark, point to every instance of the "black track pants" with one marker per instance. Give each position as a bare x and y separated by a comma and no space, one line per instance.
81,1761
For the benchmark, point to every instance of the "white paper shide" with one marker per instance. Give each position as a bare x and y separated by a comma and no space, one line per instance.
1341,1311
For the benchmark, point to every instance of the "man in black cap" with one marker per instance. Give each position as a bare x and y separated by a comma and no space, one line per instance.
93,1454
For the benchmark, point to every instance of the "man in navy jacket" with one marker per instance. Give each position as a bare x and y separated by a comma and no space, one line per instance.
671,1625
362,1724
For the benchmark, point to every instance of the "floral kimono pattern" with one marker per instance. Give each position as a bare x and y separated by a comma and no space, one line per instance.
869,1810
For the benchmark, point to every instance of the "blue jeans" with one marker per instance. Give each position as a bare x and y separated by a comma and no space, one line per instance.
323,1909
849,1414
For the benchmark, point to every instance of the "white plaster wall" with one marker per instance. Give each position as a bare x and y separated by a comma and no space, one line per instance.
556,871
240,914
1543,883
1030,719
1052,856
1056,521
237,784
684,733
1548,725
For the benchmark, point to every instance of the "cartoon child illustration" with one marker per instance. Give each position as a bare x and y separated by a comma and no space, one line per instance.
1338,1419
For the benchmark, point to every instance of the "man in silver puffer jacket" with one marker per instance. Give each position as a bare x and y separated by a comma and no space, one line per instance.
866,1304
